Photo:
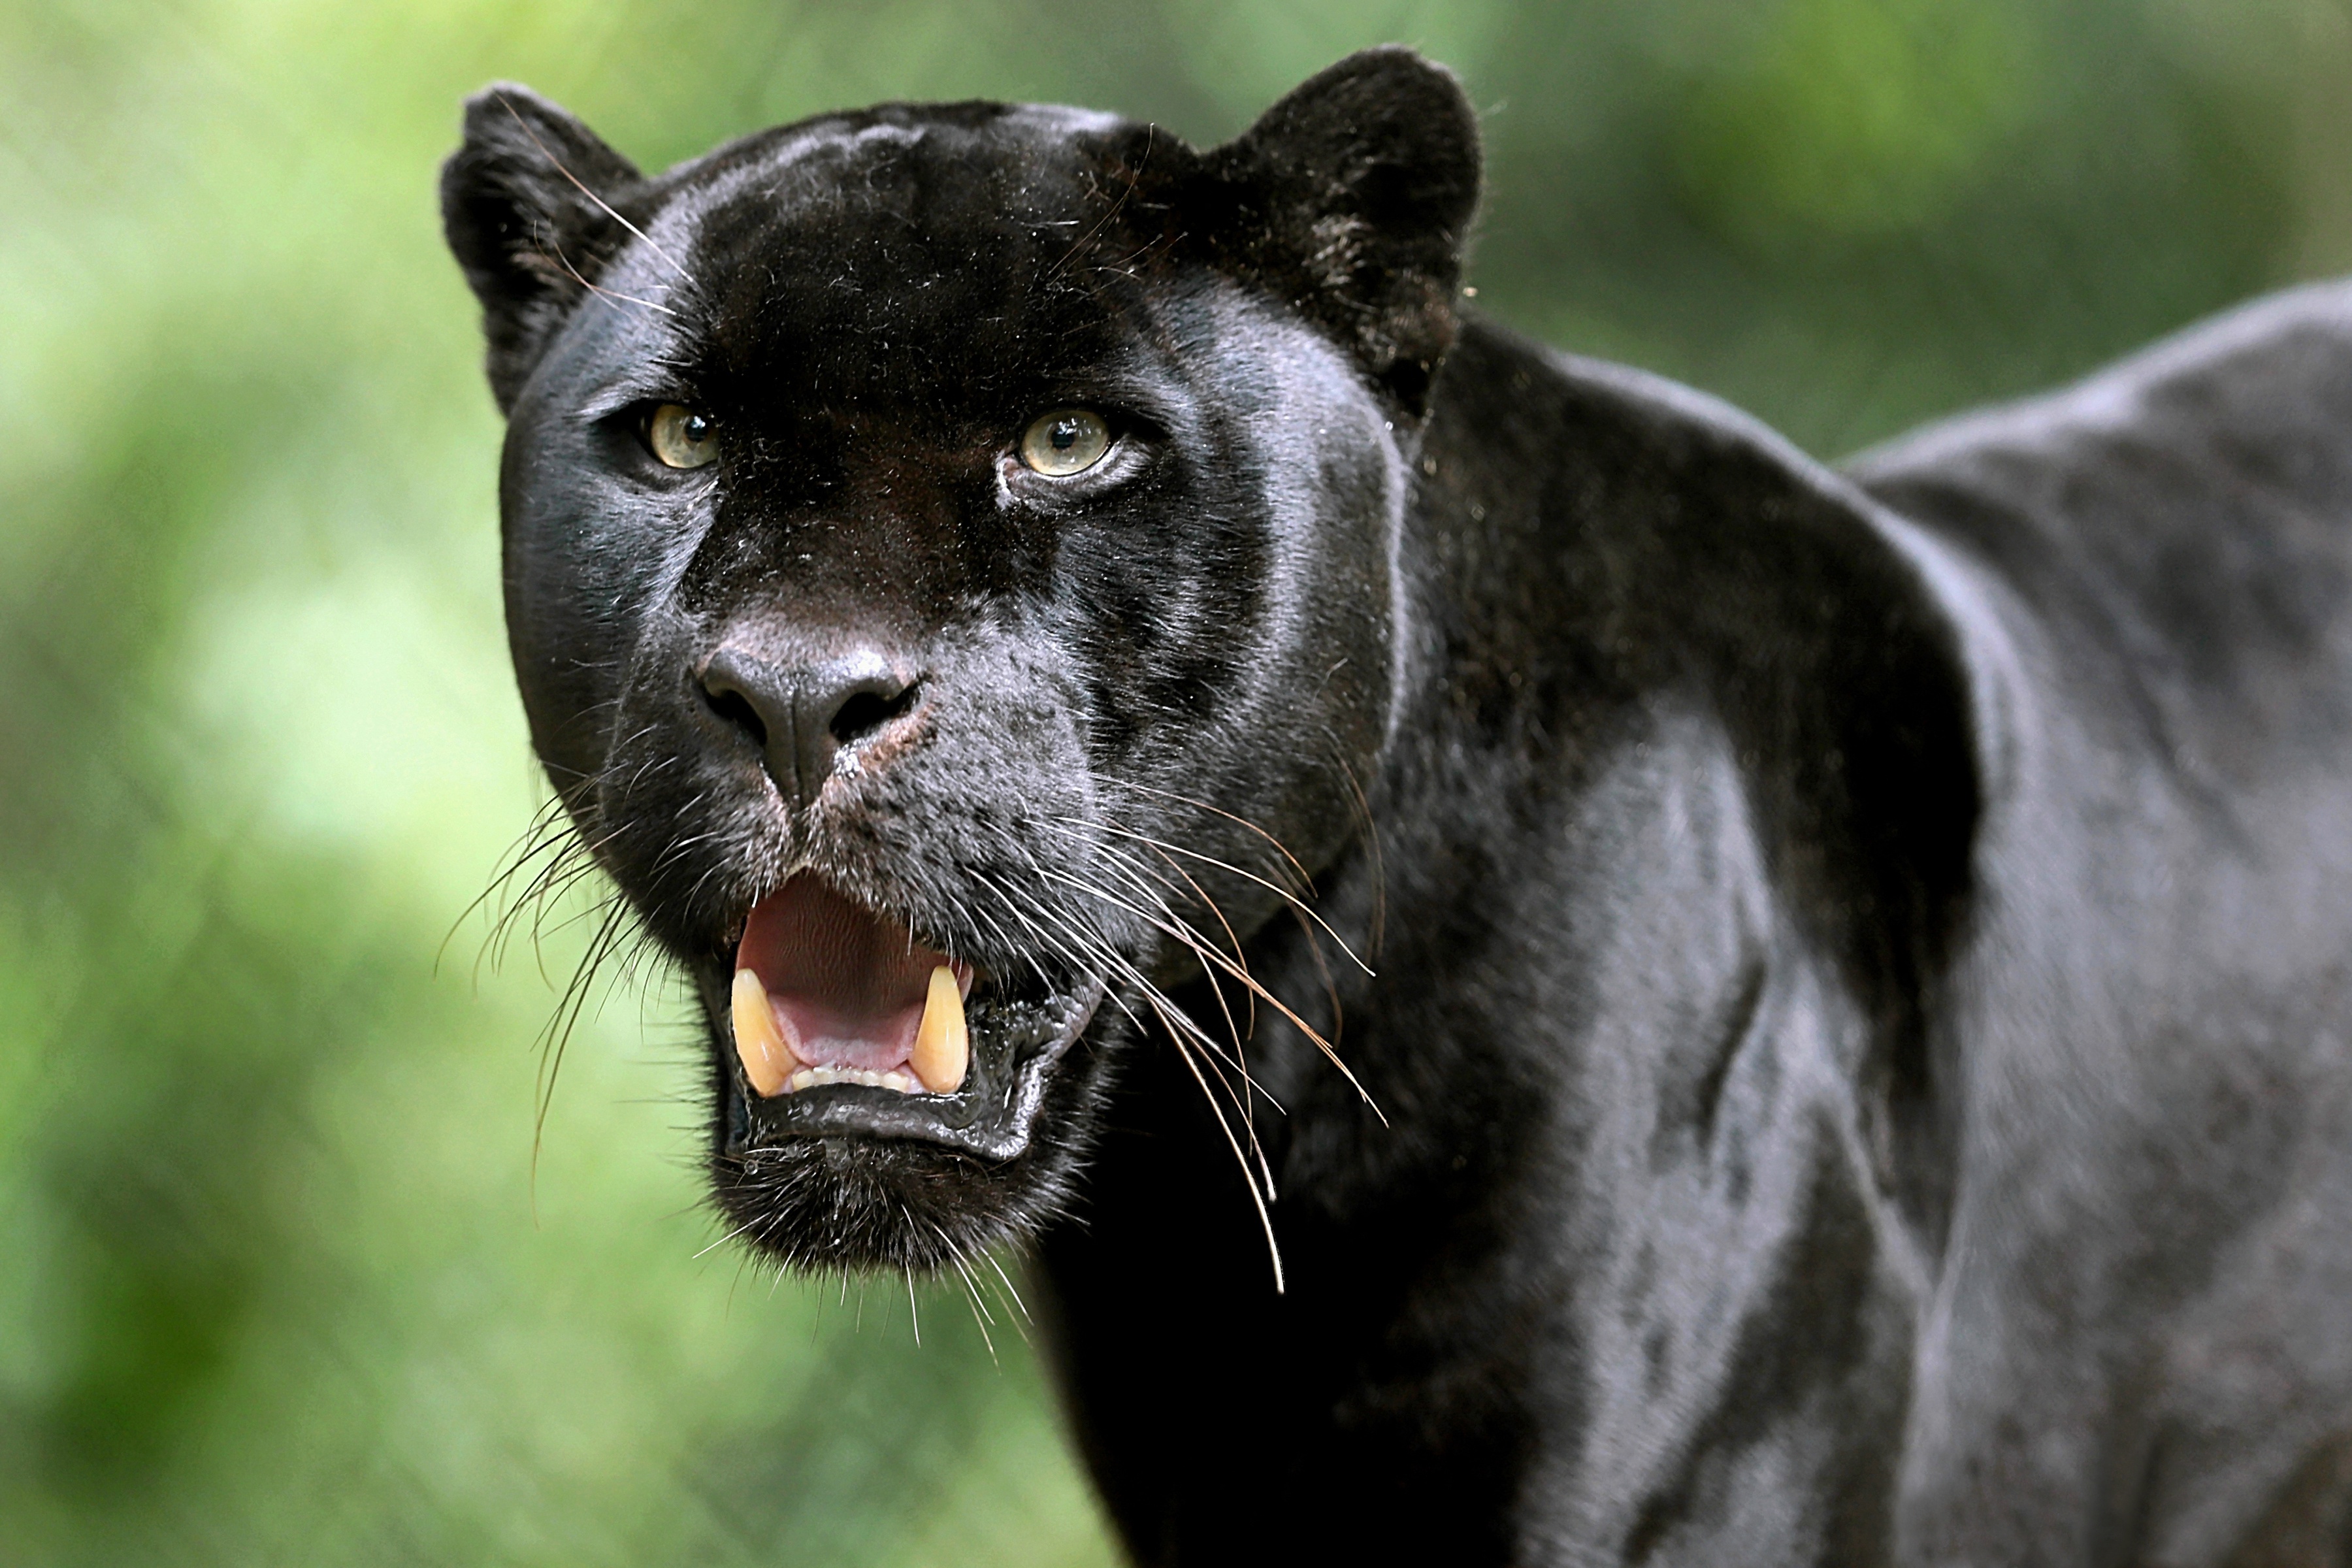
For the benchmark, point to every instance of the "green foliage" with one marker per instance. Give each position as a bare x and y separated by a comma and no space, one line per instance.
279,1282
1860,116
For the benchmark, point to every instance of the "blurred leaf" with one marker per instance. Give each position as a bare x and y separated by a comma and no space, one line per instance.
1861,116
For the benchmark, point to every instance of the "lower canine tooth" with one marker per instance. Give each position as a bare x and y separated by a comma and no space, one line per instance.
942,1053
759,1044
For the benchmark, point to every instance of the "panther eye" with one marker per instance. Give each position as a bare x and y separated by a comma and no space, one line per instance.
681,437
1064,442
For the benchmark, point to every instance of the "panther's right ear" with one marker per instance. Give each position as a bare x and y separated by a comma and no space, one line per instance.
523,201
1352,198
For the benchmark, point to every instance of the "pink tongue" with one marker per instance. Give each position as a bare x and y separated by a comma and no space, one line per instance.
846,985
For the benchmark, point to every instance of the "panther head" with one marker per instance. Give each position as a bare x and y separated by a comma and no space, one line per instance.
949,565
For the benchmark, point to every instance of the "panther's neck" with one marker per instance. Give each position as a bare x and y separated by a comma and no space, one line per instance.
1596,549
1666,853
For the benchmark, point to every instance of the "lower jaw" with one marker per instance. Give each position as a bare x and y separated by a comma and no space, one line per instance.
829,1192
1017,1044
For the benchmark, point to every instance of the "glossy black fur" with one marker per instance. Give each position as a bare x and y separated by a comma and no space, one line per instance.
1859,1036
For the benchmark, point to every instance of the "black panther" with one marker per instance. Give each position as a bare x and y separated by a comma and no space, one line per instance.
1543,978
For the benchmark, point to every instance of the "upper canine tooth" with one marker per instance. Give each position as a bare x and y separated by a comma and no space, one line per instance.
942,1044
759,1044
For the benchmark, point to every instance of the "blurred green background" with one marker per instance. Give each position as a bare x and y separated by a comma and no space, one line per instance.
276,1282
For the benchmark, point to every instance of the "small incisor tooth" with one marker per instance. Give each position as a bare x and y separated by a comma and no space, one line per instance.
758,1042
942,1044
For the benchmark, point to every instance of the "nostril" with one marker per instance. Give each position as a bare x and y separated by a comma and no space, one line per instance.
733,708
866,711
736,708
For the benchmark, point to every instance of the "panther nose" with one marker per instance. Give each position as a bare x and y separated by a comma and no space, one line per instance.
801,715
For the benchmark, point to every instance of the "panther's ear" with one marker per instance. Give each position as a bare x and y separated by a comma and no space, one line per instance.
523,203
1351,198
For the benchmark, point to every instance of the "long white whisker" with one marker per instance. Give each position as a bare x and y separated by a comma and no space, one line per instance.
1178,1024
1257,1199
1166,848
1213,955
505,103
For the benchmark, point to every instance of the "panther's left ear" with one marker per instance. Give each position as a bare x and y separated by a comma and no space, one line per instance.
525,203
1351,198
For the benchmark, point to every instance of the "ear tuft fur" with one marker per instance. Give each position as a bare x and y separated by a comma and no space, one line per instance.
524,204
1352,198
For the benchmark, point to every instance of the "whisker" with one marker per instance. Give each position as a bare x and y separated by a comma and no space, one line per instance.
1216,987
1089,237
1277,1004
1106,955
608,295
980,1313
1323,970
1287,896
1249,998
541,838
1281,849
1172,1017
1178,1025
505,103
1009,1290
725,1240
1257,1199
557,1037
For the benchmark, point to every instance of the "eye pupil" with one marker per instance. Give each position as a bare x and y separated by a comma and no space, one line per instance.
1065,435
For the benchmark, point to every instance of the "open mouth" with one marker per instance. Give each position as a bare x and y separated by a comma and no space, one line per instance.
827,993
844,1021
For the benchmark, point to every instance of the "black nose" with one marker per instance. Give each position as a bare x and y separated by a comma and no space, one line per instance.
801,715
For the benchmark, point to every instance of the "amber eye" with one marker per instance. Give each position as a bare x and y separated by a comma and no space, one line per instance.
1064,442
681,437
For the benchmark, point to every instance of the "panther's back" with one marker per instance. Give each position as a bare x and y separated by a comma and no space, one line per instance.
2146,1294
2180,523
